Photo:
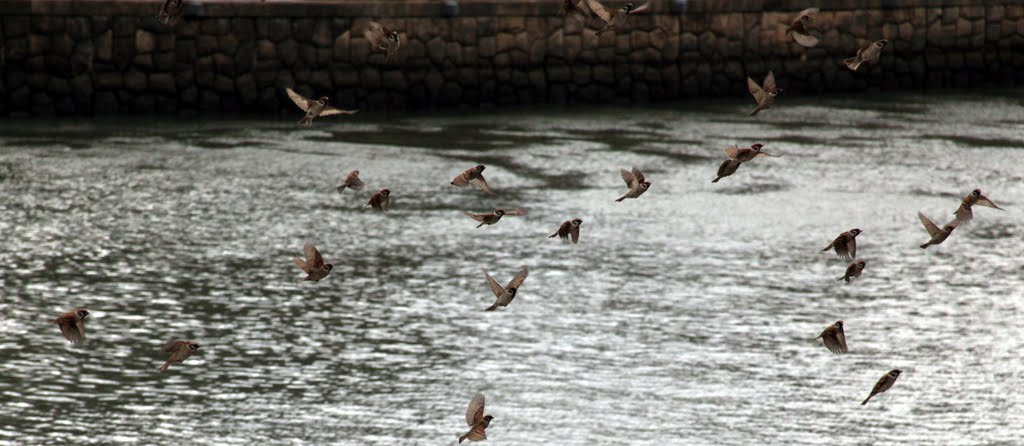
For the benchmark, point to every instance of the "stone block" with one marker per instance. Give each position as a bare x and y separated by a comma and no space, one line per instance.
145,41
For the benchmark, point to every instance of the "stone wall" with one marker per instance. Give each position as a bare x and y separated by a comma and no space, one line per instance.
99,56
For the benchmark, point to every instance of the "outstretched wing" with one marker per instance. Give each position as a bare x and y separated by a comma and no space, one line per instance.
599,9
495,286
517,281
628,177
299,100
805,40
477,217
928,225
642,8
984,201
732,151
480,183
769,82
475,410
516,212
755,90
328,111
353,181
638,175
313,258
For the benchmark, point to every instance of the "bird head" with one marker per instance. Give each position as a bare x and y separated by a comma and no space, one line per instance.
385,192
355,172
193,346
576,222
757,147
645,185
81,313
861,264
895,372
855,232
512,290
839,324
328,266
323,100
976,192
499,212
881,43
627,7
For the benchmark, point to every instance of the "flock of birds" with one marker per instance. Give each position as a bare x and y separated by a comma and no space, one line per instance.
72,324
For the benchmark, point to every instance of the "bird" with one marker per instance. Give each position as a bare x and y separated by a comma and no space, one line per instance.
845,245
477,421
314,265
568,229
72,325
380,201
727,168
383,38
964,213
883,384
868,54
505,295
315,108
635,181
834,338
352,181
853,270
798,30
177,352
937,235
474,176
171,12
493,217
764,94
616,18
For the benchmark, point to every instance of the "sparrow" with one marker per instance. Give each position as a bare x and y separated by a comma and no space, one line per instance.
834,338
746,154
476,420
868,54
315,108
171,12
314,265
72,325
845,245
505,295
853,270
493,217
938,235
383,38
727,168
964,214
799,32
764,95
473,176
614,19
883,384
636,183
567,229
580,6
352,181
380,200
177,351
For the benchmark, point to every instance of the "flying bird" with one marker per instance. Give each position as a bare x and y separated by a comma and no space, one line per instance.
352,181
314,265
615,19
493,217
384,39
568,229
505,295
883,384
798,29
964,213
177,352
853,270
315,108
171,12
477,421
834,338
474,176
868,54
764,94
738,156
72,325
845,245
636,183
380,201
937,235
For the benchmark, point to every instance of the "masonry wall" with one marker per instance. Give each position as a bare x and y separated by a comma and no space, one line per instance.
101,56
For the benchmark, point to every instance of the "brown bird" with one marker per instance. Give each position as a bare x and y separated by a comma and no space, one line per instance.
763,94
505,295
352,181
314,265
380,201
868,54
883,384
72,325
473,176
727,168
964,214
315,108
614,19
493,217
171,12
567,229
798,29
845,245
177,352
938,235
477,421
384,39
853,270
635,181
834,338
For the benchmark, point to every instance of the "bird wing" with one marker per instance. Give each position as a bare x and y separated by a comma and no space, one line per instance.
732,151
599,9
495,286
638,175
984,201
642,8
517,281
313,258
841,337
805,40
928,225
374,33
769,83
72,329
829,336
385,202
475,410
477,217
171,348
330,111
461,180
480,183
563,230
628,177
755,90
302,265
516,212
299,100
851,247
574,231
764,155
353,181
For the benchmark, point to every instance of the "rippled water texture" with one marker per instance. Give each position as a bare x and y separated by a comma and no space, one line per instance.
684,317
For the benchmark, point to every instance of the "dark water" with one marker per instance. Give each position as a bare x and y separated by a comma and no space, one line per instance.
685,317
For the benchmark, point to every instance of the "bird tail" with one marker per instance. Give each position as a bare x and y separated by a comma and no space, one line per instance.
844,277
305,121
852,63
491,308
827,248
620,199
479,225
553,235
755,112
716,180
463,438
164,367
925,246
866,399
